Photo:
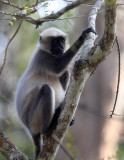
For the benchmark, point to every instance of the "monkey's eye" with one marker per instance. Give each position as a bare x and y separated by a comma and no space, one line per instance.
63,39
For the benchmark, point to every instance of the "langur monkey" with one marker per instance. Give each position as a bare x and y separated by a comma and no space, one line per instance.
42,88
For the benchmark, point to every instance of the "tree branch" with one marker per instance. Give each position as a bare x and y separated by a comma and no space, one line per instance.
10,151
11,4
6,13
54,16
22,15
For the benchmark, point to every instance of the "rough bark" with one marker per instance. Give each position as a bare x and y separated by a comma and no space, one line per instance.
9,150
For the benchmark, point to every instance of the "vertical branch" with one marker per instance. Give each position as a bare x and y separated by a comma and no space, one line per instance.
93,13
110,25
105,45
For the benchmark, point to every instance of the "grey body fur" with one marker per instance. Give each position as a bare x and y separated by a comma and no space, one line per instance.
36,75
43,86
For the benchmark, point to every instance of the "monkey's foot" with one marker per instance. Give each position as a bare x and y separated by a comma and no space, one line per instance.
72,121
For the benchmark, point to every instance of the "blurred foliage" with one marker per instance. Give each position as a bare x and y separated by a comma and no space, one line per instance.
2,157
120,152
72,148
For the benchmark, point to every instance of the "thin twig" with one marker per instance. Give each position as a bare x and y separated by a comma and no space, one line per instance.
6,13
118,84
5,19
5,56
119,115
11,4
120,4
95,112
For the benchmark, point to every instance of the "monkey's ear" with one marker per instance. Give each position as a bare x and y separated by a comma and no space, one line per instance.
40,39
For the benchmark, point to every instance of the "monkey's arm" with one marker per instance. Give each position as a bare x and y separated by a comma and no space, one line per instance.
64,78
71,52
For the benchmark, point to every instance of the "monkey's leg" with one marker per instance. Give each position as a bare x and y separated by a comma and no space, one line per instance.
54,121
36,139
41,113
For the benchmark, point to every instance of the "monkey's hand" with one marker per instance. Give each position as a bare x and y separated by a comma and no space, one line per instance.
85,32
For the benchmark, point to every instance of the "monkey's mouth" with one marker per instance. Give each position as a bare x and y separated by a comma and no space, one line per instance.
58,51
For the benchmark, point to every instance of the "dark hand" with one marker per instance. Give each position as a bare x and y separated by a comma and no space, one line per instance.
88,30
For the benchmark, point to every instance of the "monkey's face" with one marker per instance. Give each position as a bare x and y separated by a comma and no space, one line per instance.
57,46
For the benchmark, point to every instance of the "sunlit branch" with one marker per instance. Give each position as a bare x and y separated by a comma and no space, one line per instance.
54,16
6,13
93,14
